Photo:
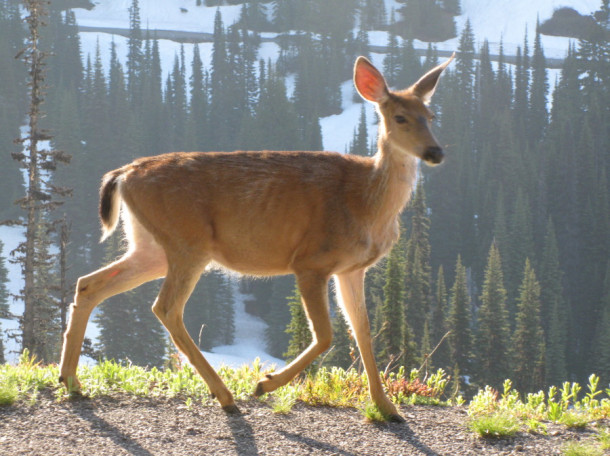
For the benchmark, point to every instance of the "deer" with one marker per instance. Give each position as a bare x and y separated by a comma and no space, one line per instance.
317,215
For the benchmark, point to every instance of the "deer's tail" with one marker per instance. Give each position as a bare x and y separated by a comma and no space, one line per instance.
110,202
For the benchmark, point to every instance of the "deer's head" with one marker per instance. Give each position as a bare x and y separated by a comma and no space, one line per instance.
404,115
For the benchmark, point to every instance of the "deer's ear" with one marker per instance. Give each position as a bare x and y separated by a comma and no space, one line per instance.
369,82
425,87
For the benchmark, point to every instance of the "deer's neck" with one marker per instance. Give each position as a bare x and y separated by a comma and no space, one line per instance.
396,172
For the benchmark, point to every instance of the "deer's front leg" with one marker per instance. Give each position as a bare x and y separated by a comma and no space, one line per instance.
314,295
350,292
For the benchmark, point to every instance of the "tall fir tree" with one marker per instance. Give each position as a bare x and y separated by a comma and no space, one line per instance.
417,265
298,328
459,322
554,310
391,315
360,141
439,323
528,348
492,339
601,356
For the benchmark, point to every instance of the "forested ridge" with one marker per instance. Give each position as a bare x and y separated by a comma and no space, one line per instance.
505,248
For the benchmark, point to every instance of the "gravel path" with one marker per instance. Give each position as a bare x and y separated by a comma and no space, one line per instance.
124,425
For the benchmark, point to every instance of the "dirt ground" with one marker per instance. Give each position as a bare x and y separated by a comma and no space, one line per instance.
127,425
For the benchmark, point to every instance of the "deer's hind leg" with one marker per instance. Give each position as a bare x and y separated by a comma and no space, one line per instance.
145,261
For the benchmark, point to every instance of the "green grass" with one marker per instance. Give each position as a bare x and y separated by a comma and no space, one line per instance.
499,425
603,437
492,414
582,449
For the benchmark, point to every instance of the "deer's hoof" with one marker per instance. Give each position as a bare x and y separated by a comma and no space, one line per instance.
396,418
259,391
231,409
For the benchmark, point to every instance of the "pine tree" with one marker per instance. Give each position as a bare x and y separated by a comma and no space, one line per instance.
439,323
4,300
391,60
528,348
391,313
492,338
460,317
360,142
373,15
219,89
601,358
227,311
134,55
39,324
298,327
417,266
554,312
538,115
273,112
278,316
520,245
4,294
343,346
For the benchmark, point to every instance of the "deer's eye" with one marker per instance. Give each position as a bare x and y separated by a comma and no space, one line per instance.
400,119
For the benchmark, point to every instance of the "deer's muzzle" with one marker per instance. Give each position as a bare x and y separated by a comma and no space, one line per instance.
433,155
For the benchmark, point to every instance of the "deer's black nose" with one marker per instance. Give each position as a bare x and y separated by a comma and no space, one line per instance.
433,155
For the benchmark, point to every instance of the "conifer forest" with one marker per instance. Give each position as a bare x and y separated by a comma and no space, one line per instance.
502,269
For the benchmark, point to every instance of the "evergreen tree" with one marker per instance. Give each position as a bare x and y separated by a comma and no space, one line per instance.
134,55
459,320
493,333
391,325
278,316
199,103
343,346
219,89
410,65
298,327
439,323
39,324
554,312
601,359
273,112
391,60
373,15
417,266
538,115
520,244
528,348
227,311
4,300
521,100
4,294
360,142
